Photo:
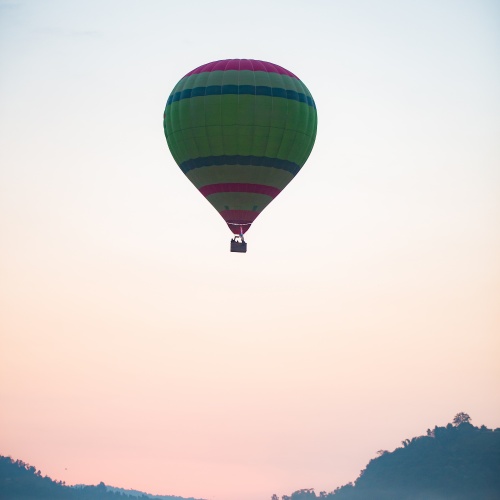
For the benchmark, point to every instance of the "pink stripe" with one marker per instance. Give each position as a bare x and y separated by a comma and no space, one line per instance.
240,65
239,220
236,187
239,216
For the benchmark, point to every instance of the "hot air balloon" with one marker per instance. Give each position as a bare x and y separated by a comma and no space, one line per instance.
240,130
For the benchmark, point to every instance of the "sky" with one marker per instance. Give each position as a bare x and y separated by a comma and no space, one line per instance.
135,349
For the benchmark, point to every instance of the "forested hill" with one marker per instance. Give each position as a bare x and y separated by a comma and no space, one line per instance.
21,481
456,462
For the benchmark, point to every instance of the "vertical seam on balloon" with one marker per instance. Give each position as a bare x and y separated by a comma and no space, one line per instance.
223,135
179,148
305,109
238,124
166,119
184,87
295,84
272,110
308,116
286,119
313,114
191,104
314,132
254,107
205,128
209,143
170,125
304,112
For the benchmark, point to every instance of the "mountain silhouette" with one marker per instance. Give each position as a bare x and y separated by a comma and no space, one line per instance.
456,462
21,481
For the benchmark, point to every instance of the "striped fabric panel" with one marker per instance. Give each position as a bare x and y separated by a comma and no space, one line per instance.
276,146
233,200
240,65
255,78
238,187
241,90
246,174
257,161
240,78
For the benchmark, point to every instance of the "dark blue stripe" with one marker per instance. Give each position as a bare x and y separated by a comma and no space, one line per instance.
241,90
255,161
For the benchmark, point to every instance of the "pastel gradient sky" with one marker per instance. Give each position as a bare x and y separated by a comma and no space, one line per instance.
136,350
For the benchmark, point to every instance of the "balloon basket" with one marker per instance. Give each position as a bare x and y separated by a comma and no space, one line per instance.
238,244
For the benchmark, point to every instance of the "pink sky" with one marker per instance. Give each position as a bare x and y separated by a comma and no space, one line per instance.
136,350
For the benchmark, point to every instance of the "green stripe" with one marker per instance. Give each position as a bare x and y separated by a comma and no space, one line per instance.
228,110
238,173
231,140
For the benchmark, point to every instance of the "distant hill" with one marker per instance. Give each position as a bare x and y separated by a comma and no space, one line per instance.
456,462
140,494
21,481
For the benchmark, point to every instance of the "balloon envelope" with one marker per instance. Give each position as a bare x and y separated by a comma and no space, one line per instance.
240,130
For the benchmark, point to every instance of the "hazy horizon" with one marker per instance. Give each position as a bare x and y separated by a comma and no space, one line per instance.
136,350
